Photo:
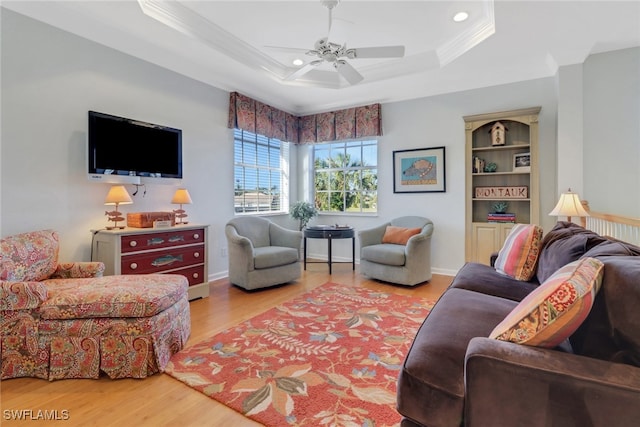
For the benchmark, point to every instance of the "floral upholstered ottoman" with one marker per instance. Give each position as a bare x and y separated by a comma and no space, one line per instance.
67,321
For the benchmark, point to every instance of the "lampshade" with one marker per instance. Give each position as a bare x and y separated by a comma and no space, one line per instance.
118,195
181,197
569,205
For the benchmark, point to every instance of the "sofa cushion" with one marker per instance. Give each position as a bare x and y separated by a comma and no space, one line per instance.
31,256
140,295
621,295
612,247
431,381
483,278
563,244
273,256
21,295
551,313
610,332
384,253
399,235
519,254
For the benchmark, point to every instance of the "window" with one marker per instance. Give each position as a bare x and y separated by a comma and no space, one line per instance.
261,173
346,176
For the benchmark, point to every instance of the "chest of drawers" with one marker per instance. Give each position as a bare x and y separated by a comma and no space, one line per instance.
177,250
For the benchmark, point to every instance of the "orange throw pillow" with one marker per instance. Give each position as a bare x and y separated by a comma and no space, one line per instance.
399,235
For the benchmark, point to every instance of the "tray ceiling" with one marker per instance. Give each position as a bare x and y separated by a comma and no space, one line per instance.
245,45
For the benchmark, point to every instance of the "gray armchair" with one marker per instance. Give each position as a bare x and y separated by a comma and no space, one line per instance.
262,253
408,264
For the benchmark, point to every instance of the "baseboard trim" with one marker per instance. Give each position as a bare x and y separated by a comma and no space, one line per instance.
441,271
219,275
444,271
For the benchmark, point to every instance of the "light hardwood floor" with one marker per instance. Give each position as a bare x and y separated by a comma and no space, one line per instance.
161,400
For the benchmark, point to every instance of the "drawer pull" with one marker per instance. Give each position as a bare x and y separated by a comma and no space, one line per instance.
196,236
133,266
133,243
196,254
195,275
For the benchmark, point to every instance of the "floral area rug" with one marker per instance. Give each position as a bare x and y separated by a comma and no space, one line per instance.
330,357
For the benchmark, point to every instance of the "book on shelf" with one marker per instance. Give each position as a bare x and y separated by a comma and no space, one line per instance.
501,217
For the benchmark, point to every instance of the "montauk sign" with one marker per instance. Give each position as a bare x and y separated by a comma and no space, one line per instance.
513,192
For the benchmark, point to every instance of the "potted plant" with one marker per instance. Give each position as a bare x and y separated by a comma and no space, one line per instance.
303,212
500,207
490,167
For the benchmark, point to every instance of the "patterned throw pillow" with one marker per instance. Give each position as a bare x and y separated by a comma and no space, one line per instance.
31,256
554,310
399,235
519,254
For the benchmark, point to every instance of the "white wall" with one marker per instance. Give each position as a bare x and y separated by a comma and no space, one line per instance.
438,121
51,78
612,132
570,130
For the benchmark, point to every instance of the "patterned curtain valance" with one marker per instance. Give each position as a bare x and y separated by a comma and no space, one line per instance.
253,116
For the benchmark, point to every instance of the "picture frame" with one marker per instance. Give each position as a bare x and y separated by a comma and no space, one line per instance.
420,170
521,162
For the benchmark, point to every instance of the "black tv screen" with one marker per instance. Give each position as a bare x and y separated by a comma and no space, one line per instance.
127,147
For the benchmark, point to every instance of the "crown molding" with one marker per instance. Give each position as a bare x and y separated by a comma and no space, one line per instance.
468,39
183,19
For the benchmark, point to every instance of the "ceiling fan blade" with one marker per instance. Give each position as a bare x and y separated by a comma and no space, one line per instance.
377,52
303,70
347,71
287,49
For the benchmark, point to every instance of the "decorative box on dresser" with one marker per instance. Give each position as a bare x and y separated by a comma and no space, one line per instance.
181,249
501,158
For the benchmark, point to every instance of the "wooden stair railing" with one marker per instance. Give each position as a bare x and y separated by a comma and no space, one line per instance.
616,226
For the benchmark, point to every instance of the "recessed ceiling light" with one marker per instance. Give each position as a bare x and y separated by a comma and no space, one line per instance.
460,16
298,62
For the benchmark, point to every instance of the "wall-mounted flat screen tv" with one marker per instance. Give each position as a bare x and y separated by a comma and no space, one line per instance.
122,150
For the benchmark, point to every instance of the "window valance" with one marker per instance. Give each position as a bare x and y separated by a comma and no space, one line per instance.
254,116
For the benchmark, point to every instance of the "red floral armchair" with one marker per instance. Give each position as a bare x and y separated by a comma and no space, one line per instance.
65,320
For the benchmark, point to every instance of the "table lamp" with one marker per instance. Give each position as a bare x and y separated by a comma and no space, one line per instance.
569,205
117,195
181,197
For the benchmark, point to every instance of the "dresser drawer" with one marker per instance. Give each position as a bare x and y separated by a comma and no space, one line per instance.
160,261
147,241
195,275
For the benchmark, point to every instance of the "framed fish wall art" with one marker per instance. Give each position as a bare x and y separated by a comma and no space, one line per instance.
420,170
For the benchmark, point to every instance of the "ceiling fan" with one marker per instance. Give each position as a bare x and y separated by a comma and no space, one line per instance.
337,55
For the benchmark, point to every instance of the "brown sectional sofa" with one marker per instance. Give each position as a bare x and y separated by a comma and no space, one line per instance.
454,375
